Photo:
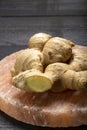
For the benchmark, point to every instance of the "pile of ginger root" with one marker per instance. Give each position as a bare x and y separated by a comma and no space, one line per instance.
50,63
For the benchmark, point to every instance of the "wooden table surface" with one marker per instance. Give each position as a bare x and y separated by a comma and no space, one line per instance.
21,19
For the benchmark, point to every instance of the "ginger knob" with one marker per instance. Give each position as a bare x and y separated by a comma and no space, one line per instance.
38,40
56,50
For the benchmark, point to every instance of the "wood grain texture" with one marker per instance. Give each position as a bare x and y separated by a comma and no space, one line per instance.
17,30
42,7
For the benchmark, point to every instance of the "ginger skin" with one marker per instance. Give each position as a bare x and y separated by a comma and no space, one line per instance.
28,59
78,62
56,50
66,41
76,80
38,40
29,74
34,80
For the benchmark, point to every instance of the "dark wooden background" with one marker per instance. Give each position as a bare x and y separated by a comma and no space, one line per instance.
19,19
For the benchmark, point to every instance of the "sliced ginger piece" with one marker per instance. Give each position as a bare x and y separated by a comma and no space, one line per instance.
32,80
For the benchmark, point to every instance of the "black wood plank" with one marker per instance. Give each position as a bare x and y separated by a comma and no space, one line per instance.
42,7
7,50
16,31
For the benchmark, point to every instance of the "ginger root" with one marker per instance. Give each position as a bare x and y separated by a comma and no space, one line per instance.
51,63
66,41
74,80
36,81
56,50
32,81
78,61
39,40
28,59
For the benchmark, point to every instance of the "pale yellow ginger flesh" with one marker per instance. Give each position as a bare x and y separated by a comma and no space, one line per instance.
50,63
32,80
